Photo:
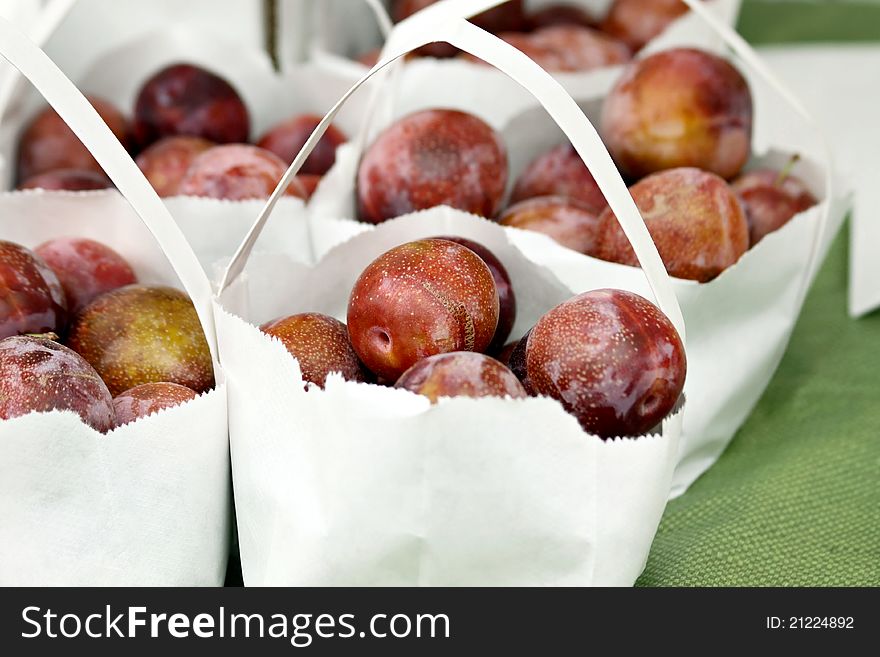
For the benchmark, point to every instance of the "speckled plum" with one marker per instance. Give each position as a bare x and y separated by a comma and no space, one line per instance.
38,375
430,158
419,299
679,108
234,172
636,22
85,268
568,221
148,399
506,296
770,199
48,144
183,99
611,358
559,172
321,345
460,374
288,137
70,180
31,297
166,162
693,216
140,334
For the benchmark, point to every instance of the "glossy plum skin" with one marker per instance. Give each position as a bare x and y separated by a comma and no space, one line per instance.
611,358
85,268
560,14
321,345
419,299
568,221
149,398
31,297
559,172
430,158
693,216
38,375
770,199
139,334
166,162
679,108
460,374
70,180
234,172
48,144
506,296
288,137
183,99
636,22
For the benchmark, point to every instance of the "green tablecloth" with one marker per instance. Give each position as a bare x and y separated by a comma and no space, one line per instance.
795,500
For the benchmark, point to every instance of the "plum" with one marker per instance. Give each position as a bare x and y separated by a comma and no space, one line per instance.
321,345
143,334
419,299
560,14
574,48
460,374
506,296
611,358
38,375
559,172
48,144
568,221
85,268
183,99
166,162
770,199
636,22
235,172
694,219
71,180
288,137
506,17
430,158
679,108
31,297
503,355
149,398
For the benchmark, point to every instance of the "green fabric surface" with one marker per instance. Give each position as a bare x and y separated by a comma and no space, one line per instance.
795,499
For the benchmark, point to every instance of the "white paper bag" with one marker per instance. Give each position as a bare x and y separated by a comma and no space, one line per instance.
739,324
339,29
362,485
148,503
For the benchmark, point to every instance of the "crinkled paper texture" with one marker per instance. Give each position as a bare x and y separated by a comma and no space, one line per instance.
363,485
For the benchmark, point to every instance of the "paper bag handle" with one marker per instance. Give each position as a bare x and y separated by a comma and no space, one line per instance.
87,125
39,31
561,107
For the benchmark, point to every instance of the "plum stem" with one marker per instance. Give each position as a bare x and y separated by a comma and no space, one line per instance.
54,337
786,170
